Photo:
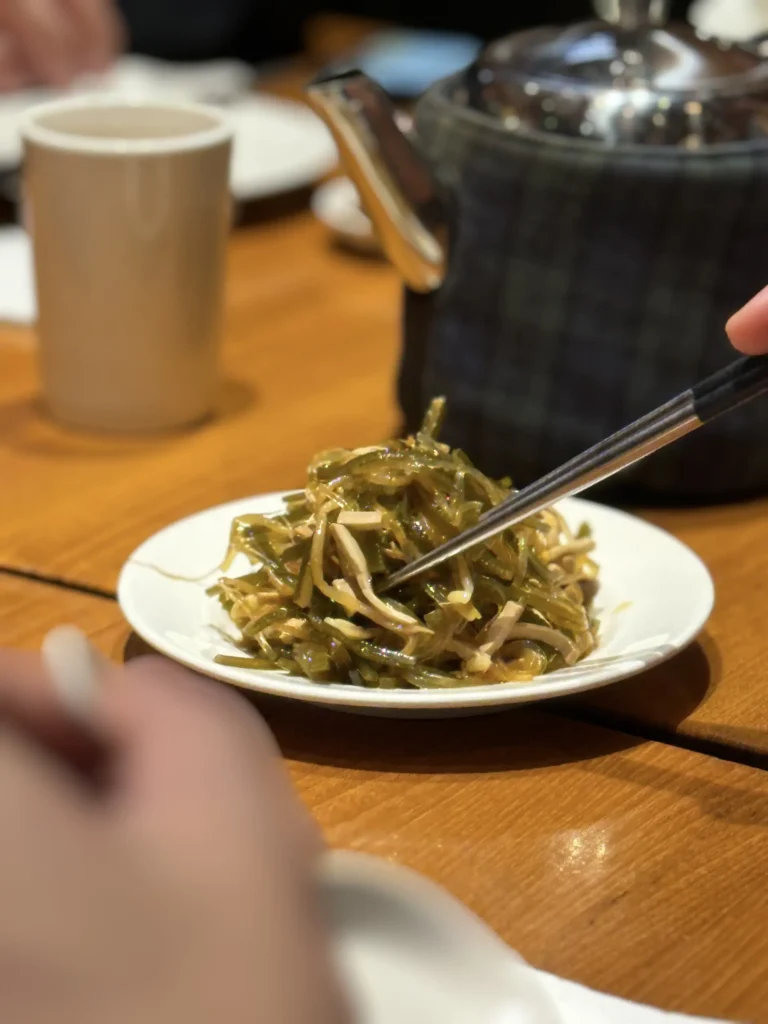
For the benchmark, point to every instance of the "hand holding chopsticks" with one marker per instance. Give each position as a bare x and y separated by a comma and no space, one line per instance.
739,382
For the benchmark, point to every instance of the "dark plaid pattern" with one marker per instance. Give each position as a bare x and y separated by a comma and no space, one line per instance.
586,287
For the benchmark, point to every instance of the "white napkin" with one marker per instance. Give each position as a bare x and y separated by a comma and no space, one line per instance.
17,279
407,952
579,1005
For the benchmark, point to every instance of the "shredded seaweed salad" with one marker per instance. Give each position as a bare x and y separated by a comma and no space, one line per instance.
510,609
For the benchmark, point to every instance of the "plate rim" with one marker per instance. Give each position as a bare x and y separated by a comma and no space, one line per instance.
299,113
279,684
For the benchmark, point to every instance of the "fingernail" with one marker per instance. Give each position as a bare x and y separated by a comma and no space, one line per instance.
75,669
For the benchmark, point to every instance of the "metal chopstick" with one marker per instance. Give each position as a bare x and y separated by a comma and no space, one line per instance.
740,381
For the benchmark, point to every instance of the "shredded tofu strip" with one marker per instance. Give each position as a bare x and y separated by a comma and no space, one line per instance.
356,571
361,520
351,629
546,635
493,636
573,547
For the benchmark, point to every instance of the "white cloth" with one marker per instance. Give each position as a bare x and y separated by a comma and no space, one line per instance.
579,1005
17,279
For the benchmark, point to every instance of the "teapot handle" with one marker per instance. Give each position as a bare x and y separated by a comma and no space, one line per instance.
633,14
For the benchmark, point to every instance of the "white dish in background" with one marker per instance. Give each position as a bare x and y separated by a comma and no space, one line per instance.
655,596
133,76
279,145
337,205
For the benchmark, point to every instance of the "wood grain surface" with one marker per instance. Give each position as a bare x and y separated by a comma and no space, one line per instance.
310,354
634,867
718,690
308,362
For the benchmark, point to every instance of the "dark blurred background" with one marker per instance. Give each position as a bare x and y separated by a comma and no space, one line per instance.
254,31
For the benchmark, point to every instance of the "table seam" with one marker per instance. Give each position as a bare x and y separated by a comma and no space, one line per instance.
587,716
58,581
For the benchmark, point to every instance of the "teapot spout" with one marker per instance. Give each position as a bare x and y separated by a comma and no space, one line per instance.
397,187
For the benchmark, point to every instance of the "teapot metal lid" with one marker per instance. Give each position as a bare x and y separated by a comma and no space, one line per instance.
629,78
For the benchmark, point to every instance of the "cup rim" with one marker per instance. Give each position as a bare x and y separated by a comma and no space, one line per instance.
52,138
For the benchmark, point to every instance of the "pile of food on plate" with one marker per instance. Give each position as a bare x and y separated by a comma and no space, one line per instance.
508,610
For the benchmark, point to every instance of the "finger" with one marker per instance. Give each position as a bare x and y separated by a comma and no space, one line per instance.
26,692
198,767
206,796
46,820
30,703
99,31
748,328
45,31
36,796
33,782
15,72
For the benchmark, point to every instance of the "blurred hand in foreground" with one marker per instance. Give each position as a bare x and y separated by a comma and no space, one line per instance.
179,890
51,42
748,329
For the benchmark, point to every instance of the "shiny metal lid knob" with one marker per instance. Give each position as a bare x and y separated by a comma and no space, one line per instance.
633,14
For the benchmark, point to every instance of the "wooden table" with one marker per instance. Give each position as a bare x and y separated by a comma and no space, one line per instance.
634,867
605,852
311,338
714,696
310,355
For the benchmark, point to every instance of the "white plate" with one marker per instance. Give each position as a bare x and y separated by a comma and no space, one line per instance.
337,205
279,145
134,77
655,595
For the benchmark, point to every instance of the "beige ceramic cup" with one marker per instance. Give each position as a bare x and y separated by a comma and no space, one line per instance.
128,207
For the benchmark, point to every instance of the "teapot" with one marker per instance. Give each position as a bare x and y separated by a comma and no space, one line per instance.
575,216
